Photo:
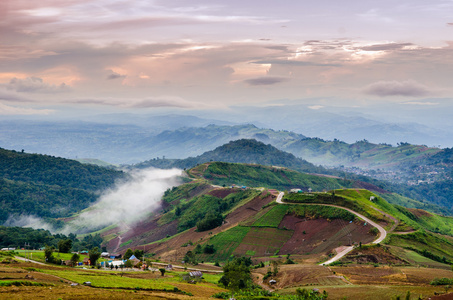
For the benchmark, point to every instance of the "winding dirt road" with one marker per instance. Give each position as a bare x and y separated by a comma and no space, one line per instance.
382,231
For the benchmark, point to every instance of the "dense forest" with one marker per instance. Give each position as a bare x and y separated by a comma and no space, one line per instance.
17,237
47,186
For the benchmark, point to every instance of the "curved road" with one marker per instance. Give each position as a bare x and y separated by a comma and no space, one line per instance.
382,231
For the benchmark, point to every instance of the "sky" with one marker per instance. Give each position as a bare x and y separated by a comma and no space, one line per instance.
147,55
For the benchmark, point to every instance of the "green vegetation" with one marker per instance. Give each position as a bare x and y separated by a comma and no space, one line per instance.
432,246
204,211
258,175
226,242
240,151
442,281
109,280
361,152
274,216
237,278
16,237
406,202
355,199
22,283
47,186
236,274
210,221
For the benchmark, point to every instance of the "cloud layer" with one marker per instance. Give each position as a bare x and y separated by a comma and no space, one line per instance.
165,54
128,202
395,88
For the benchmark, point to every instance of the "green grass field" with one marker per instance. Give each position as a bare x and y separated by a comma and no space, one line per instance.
424,241
273,217
226,242
38,255
107,279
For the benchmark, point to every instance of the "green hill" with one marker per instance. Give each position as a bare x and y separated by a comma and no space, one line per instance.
362,154
248,151
246,221
46,186
226,174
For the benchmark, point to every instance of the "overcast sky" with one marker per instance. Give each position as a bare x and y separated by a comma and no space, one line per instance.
146,55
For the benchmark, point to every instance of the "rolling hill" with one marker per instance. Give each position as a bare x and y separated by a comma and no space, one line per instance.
46,186
249,151
253,224
213,218
255,152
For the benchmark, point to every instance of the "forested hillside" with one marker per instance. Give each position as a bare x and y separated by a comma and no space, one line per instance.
248,151
47,186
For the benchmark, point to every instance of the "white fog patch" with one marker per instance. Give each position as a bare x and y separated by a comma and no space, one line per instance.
128,202
28,221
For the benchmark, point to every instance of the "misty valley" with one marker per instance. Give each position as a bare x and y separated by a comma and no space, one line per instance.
246,215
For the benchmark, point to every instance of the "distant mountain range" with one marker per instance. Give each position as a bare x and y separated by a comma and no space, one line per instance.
125,138
247,151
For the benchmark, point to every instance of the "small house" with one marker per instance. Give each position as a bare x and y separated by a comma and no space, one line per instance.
196,274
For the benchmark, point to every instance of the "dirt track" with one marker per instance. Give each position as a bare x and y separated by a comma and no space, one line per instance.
382,231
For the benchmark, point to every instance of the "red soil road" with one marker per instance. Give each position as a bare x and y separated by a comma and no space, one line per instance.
382,231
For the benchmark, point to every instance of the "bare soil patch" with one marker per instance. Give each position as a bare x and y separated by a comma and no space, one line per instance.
419,212
366,255
301,275
222,193
321,235
370,187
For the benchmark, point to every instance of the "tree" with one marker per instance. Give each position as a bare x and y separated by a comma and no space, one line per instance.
94,255
128,263
75,259
138,253
48,254
209,249
275,267
64,246
177,211
189,258
162,271
236,274
198,249
128,253
212,220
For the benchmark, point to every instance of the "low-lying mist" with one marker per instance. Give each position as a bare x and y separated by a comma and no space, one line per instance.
128,202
